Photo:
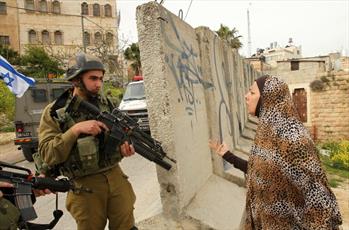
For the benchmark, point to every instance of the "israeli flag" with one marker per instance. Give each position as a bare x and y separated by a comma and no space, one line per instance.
15,81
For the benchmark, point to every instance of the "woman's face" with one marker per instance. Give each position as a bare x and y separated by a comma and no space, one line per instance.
252,97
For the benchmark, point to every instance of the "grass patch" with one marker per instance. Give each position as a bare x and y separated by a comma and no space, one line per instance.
336,176
335,182
6,129
332,169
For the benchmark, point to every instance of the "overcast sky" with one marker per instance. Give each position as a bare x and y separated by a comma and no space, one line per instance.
319,26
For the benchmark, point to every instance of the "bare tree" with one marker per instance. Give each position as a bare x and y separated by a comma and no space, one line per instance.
111,56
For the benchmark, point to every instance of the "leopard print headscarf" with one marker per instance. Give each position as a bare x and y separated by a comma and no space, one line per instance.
286,185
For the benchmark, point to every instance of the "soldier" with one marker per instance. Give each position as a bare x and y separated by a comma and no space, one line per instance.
9,214
74,143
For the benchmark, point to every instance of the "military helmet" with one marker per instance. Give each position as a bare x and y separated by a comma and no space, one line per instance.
82,62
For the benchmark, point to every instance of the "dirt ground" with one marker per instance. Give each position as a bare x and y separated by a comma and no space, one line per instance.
10,154
342,195
8,151
5,138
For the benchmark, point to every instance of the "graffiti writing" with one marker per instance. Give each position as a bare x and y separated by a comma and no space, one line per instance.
184,65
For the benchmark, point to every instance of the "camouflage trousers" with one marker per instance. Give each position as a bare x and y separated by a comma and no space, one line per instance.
112,199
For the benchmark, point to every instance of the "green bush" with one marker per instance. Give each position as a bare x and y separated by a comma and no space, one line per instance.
37,63
113,93
7,102
339,153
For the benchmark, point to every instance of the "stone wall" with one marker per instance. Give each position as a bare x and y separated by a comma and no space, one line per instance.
326,109
330,109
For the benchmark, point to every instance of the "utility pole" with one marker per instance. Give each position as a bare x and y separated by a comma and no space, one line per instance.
249,31
83,33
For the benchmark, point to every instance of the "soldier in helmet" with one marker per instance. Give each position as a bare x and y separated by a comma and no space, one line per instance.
74,143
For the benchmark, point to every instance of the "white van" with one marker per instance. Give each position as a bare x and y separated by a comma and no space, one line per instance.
135,105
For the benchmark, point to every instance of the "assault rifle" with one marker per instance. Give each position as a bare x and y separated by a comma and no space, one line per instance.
21,195
123,128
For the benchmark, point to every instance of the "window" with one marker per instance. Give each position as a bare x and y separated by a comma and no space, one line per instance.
32,37
29,5
96,10
294,65
56,7
3,8
45,35
109,38
87,39
107,10
84,8
43,6
58,37
98,38
4,40
39,95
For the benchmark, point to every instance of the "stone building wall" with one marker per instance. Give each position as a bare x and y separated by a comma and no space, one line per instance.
330,109
9,24
327,109
68,22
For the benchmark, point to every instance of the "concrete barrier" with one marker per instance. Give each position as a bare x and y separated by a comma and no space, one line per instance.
195,85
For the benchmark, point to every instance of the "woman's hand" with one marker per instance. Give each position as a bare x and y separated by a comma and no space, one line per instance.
217,147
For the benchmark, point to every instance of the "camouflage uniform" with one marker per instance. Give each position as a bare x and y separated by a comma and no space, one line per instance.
9,215
112,197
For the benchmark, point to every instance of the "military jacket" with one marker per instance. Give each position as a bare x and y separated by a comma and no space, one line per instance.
60,148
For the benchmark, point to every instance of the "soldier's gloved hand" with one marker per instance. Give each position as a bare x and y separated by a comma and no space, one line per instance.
4,185
44,192
126,149
217,147
91,127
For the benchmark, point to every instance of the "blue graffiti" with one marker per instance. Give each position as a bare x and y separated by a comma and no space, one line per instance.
184,64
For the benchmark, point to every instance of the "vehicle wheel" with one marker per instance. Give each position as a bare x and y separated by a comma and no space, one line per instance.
28,153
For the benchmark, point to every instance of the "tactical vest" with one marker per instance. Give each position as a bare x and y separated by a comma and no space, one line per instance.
9,215
87,155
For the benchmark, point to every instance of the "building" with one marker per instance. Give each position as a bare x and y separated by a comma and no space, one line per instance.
9,24
319,87
258,64
63,26
274,53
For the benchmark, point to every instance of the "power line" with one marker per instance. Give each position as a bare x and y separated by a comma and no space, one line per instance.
191,1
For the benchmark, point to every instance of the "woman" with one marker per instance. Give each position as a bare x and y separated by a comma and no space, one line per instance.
286,186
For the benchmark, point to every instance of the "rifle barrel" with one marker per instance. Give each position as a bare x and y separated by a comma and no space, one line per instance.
42,183
143,143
